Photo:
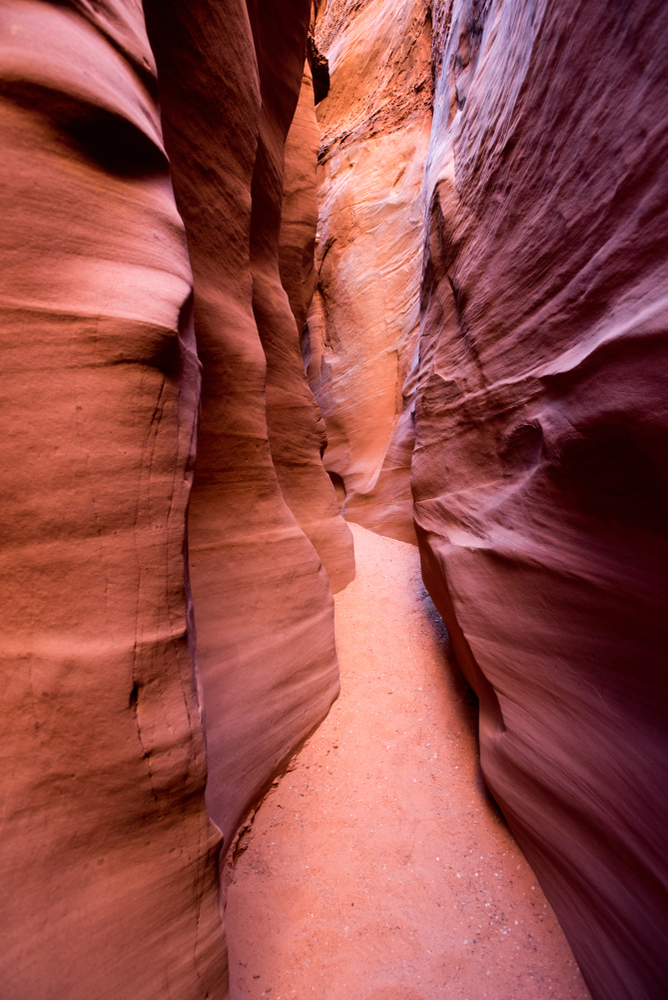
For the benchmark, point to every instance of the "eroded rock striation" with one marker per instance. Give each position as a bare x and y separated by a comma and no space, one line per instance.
541,455
535,409
298,458
109,859
107,855
364,321
263,610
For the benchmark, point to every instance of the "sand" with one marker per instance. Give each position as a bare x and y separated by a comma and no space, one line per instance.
379,868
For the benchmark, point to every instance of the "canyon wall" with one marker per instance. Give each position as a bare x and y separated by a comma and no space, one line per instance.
109,859
536,403
492,184
107,855
263,607
541,455
364,321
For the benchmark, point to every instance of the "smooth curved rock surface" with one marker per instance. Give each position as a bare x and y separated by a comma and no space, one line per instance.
108,860
297,430
263,605
364,321
539,472
299,208
542,443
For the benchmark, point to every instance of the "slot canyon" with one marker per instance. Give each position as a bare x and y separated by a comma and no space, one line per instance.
335,499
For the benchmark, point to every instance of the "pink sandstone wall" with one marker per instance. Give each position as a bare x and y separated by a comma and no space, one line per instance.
107,855
298,437
364,321
536,404
263,606
541,456
109,859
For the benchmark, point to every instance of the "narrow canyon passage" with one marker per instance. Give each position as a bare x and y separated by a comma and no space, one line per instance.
378,868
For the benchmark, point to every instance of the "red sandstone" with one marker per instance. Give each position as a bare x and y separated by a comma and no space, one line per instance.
488,314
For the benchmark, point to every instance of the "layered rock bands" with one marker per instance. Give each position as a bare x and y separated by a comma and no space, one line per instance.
123,285
486,342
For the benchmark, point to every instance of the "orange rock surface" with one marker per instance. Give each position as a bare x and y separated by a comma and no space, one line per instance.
539,468
107,855
364,320
297,457
109,860
263,606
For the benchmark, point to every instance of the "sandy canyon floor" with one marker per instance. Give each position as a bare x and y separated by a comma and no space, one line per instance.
379,868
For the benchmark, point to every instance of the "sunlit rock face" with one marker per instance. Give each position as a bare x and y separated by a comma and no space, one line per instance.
299,436
364,321
541,453
107,855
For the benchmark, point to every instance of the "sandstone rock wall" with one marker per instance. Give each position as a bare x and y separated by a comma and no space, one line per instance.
297,430
539,401
263,607
109,859
541,453
539,470
299,210
107,855
364,321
